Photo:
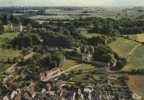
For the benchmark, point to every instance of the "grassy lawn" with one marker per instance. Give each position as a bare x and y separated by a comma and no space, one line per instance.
136,60
137,37
3,41
7,36
89,35
9,53
68,63
87,77
86,67
84,74
123,46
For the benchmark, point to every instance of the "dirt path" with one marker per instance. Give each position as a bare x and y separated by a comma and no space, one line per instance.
60,73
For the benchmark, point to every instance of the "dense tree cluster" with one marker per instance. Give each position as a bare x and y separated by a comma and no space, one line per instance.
57,39
9,18
105,54
50,59
22,41
98,40
115,27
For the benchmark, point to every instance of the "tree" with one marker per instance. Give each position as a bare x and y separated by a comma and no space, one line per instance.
30,73
35,39
35,58
4,19
58,57
22,41
14,19
1,28
45,61
24,52
97,40
104,54
51,60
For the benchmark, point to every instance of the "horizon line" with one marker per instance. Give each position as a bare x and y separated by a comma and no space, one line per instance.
72,6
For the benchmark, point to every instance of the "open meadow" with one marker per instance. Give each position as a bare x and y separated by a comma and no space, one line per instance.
9,53
132,51
5,37
137,37
123,46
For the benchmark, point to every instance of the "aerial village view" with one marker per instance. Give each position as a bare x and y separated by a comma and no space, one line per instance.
71,50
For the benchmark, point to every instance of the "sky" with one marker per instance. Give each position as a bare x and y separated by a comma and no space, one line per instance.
72,3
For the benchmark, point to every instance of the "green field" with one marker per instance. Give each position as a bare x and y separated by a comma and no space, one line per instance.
123,46
5,37
132,51
82,72
87,78
86,67
68,63
136,60
9,53
137,37
89,35
106,15
79,73
46,17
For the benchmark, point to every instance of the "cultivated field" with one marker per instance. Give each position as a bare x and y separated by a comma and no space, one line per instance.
136,84
9,53
137,37
132,51
85,74
68,63
136,60
55,17
123,46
